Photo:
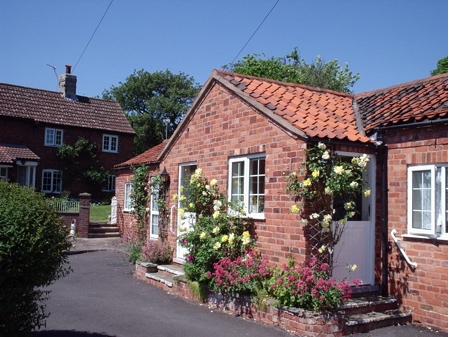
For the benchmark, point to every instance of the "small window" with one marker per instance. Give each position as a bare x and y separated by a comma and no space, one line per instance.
128,207
3,172
110,184
427,200
247,184
53,137
110,143
51,181
154,212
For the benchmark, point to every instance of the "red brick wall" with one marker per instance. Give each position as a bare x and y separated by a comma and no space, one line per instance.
222,127
30,134
125,219
423,291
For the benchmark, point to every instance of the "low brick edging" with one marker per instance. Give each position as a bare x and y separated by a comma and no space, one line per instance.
294,320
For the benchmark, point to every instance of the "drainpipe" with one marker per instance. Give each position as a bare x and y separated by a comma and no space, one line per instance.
384,220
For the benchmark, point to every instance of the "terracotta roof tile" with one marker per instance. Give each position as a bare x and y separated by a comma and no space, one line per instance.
316,112
405,103
150,156
9,153
51,107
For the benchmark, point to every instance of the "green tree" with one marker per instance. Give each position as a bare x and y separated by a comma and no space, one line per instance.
33,245
441,67
294,69
149,99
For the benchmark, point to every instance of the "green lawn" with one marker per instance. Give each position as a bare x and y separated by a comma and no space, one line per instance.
100,213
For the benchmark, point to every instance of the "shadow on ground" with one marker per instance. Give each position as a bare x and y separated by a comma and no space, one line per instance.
68,333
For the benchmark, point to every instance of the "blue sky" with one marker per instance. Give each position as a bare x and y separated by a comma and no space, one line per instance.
387,41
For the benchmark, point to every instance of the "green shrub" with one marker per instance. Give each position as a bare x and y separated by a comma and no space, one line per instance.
157,252
33,242
219,228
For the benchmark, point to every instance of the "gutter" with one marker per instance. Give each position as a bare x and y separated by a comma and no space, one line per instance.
406,125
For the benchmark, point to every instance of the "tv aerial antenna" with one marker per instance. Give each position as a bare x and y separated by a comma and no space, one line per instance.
54,69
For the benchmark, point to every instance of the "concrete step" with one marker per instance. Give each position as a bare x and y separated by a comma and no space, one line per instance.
361,323
166,274
363,305
103,235
103,230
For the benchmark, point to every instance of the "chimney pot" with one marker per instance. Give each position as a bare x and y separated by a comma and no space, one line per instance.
67,84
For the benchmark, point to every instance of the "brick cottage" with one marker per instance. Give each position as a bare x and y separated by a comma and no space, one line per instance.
35,124
257,130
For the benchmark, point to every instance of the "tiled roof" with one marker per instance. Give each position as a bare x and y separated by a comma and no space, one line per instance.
50,107
150,156
314,112
415,101
9,153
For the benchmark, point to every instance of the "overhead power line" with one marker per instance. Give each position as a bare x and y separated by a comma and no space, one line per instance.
235,58
93,34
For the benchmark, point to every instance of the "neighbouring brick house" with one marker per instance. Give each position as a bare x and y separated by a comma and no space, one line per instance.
242,127
124,174
35,123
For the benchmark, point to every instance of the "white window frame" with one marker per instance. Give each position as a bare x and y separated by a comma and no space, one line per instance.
53,137
246,183
438,217
127,201
56,182
110,143
110,184
154,211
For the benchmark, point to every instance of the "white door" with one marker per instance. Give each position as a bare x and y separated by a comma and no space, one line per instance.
356,245
186,222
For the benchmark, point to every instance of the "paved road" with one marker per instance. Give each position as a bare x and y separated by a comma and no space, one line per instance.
101,298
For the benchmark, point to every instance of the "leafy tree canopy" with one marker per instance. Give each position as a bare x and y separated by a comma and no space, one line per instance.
441,67
149,99
294,69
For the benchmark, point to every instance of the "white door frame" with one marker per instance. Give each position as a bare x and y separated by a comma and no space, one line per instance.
187,221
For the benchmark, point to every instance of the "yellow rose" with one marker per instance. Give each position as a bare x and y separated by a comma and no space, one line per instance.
294,209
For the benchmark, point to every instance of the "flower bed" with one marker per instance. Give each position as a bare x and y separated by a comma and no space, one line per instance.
294,320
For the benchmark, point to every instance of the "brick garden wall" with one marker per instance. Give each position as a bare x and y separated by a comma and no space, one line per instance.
423,291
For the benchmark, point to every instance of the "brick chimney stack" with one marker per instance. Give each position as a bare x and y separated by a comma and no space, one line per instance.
67,84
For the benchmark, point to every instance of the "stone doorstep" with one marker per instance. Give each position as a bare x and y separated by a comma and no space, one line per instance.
166,274
360,323
173,269
167,280
363,305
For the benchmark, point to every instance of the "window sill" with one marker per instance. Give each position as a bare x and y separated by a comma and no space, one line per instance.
424,237
260,216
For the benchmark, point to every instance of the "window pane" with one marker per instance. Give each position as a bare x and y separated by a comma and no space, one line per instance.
106,143
186,172
113,144
417,219
238,169
49,136
58,140
155,224
57,181
257,185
